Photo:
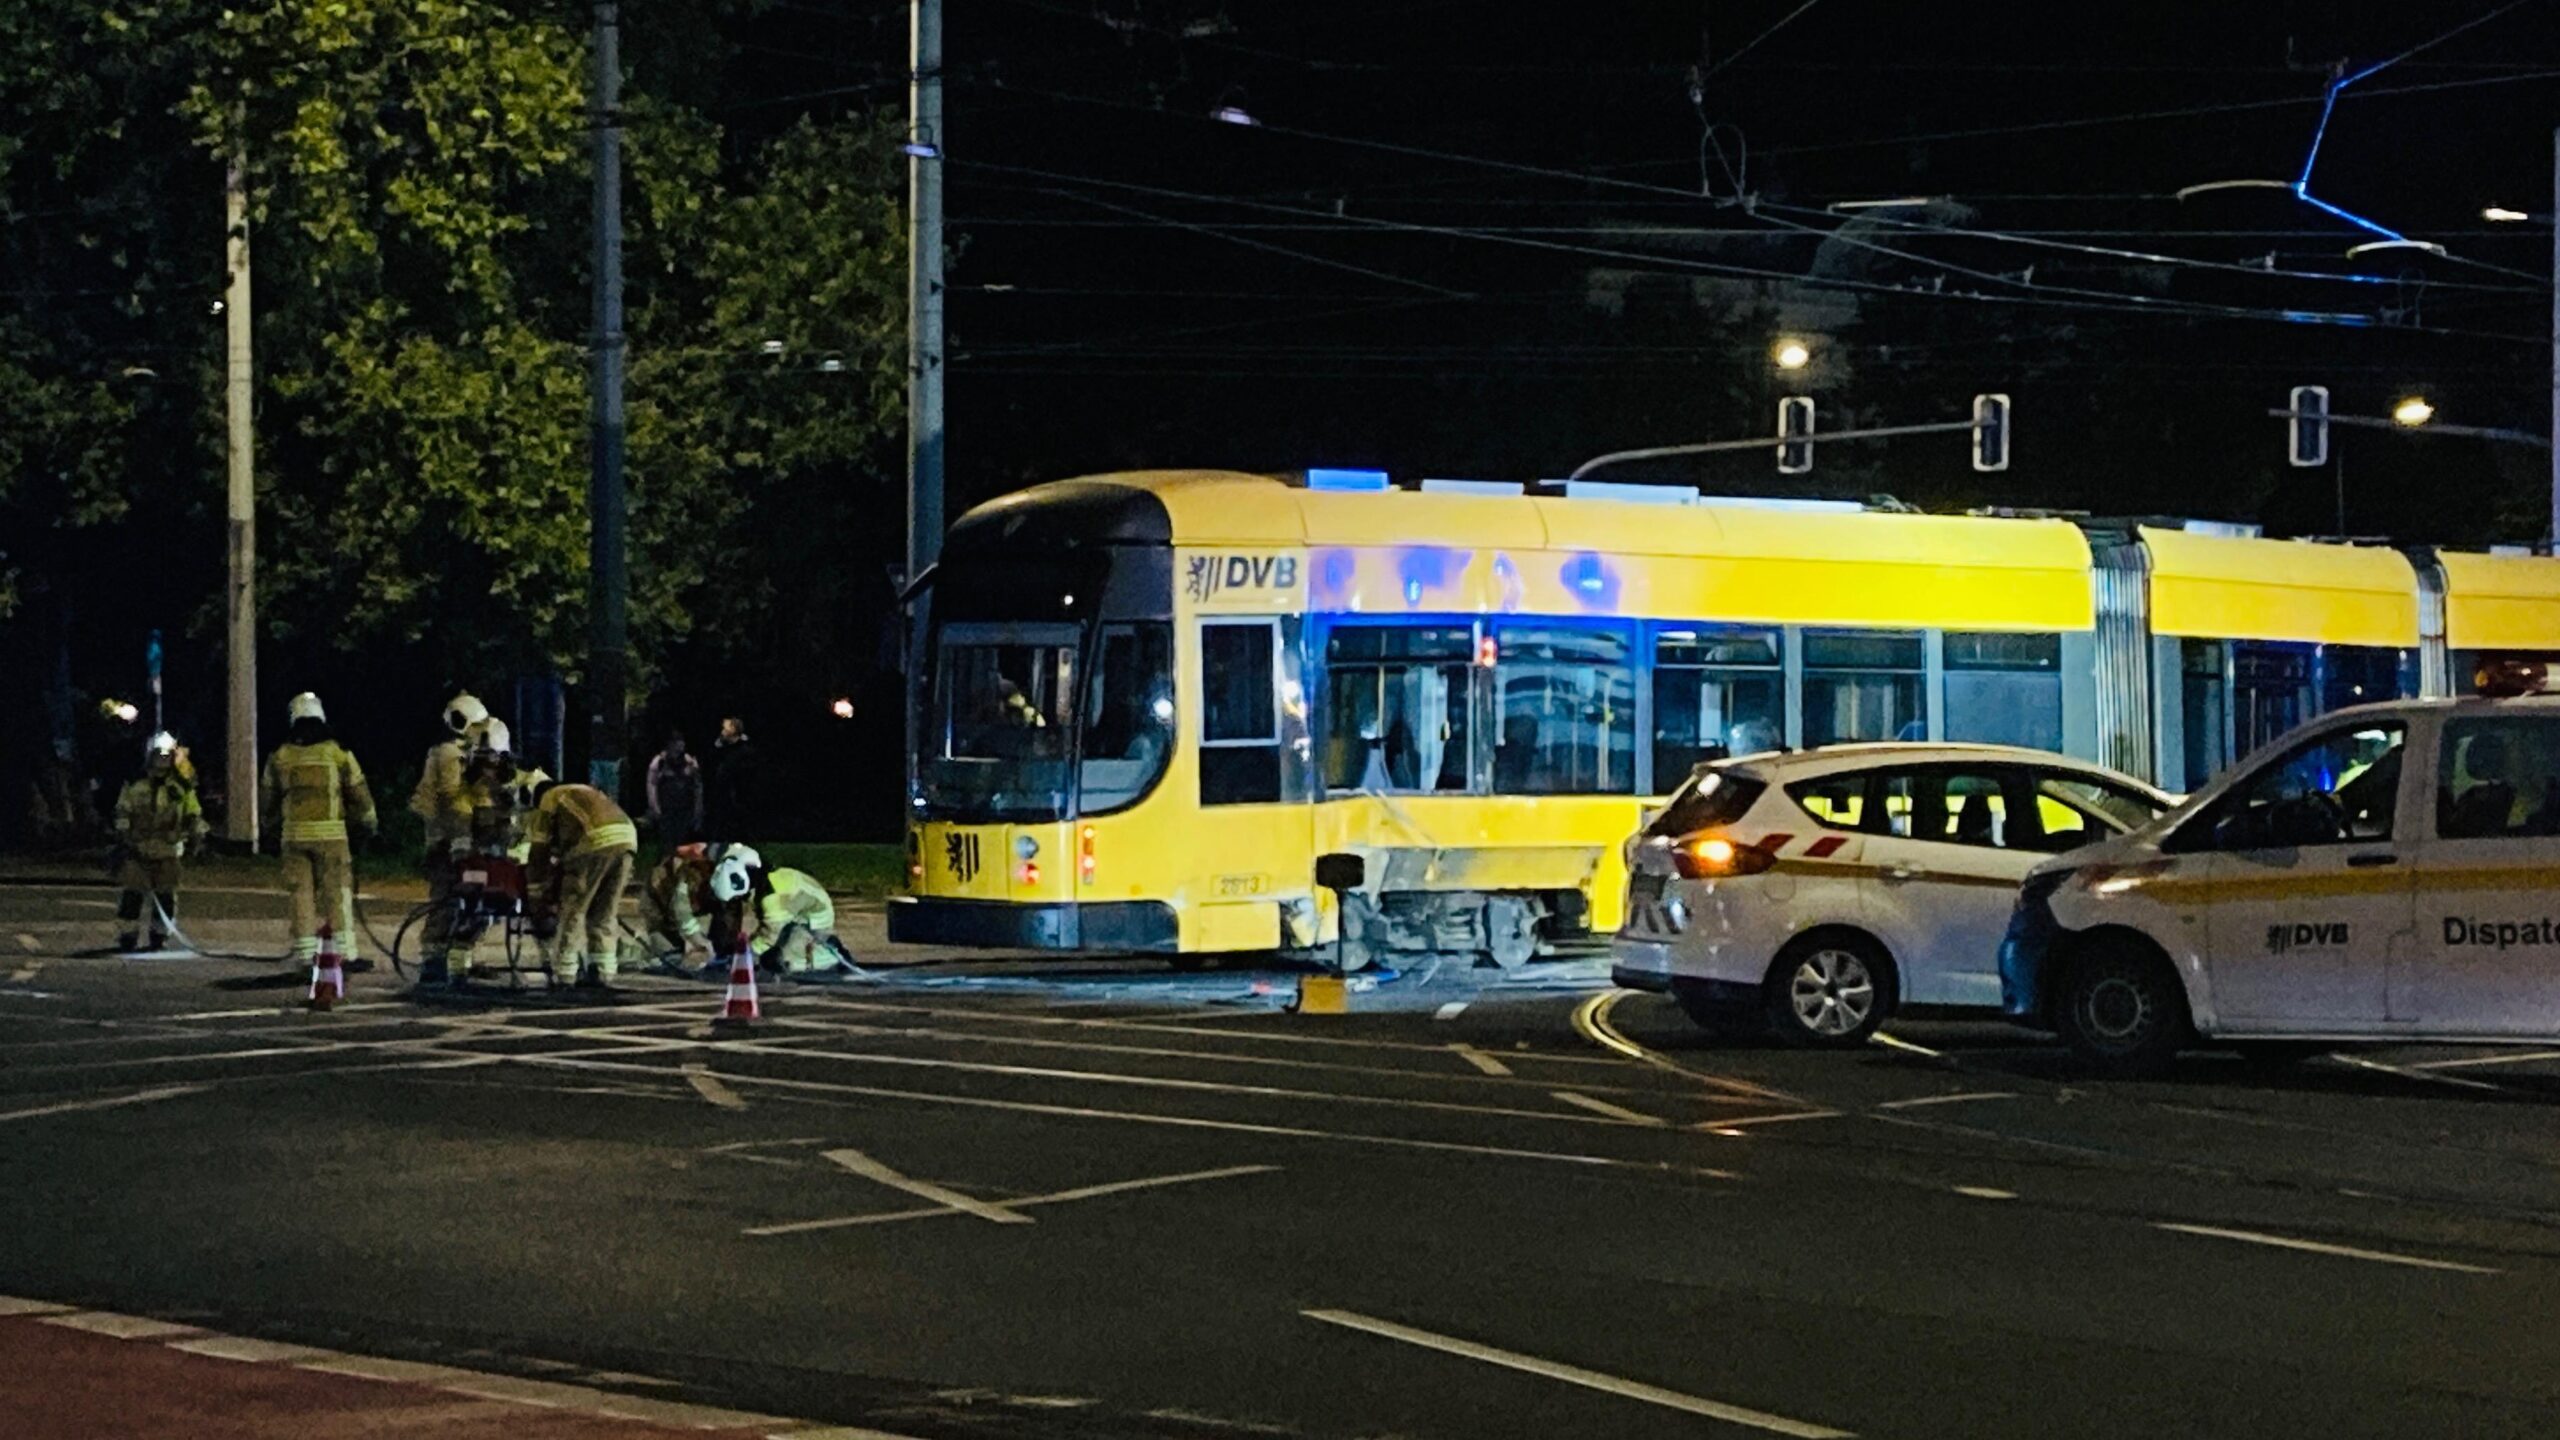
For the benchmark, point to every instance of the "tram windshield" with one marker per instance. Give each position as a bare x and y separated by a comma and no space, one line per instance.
1034,722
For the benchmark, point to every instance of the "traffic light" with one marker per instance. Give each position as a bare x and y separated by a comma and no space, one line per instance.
2310,425
1795,420
1990,432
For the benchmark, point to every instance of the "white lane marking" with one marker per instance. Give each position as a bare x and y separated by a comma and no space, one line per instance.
1896,1042
1182,1122
1985,1192
710,1087
1914,1104
1058,1197
2318,1247
1576,1375
2407,1073
872,1170
1450,1011
247,1350
122,1327
1149,1082
1481,1060
26,974
2474,1060
13,1305
28,942
822,1003
1602,1107
1719,1127
139,1097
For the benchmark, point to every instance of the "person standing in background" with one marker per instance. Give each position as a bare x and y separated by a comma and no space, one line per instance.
157,820
675,792
733,782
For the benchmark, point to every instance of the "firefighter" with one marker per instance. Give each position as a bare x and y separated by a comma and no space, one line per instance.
157,819
316,790
785,912
444,802
677,898
582,848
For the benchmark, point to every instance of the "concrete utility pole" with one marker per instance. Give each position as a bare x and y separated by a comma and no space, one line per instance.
608,582
924,294
240,759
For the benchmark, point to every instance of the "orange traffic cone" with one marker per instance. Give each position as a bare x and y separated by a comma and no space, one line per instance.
740,1006
328,973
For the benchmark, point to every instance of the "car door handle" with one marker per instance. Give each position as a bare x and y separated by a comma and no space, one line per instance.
1901,872
2366,862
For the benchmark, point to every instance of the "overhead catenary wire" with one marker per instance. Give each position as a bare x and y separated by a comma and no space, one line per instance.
2008,291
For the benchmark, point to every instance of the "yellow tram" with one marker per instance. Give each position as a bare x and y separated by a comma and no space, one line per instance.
1150,701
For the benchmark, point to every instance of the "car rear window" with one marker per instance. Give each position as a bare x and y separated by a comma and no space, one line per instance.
1712,797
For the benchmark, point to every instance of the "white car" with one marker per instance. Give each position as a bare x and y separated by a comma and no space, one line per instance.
2386,872
1824,889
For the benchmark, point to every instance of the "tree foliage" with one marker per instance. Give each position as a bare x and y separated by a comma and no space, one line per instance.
420,179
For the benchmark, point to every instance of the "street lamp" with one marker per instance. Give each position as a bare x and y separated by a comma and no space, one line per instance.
2413,412
1791,354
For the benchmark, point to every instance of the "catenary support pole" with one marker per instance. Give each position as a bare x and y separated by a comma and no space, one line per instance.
607,512
924,296
240,756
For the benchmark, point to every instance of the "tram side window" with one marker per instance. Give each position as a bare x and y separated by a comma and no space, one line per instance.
1863,685
2363,674
1568,712
2271,691
1714,687
1397,703
1128,717
1239,713
2005,689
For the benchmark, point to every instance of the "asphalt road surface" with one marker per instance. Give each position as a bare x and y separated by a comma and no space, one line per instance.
1033,1199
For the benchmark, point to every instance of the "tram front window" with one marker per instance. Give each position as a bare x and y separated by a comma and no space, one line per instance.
1027,723
1003,723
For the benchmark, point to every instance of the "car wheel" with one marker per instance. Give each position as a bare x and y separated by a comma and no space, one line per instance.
1830,990
2123,1010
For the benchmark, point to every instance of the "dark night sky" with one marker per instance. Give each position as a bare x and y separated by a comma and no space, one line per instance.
1139,284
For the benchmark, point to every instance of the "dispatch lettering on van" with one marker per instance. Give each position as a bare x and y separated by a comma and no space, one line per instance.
2499,934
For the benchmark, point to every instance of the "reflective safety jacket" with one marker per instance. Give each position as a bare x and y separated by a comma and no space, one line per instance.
796,896
578,820
442,799
158,819
681,886
314,790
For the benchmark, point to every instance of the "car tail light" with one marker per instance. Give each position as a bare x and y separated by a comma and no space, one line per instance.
1713,857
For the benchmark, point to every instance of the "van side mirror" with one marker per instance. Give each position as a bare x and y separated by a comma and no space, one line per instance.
1341,871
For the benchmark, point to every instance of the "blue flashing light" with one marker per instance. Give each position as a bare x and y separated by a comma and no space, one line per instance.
1364,480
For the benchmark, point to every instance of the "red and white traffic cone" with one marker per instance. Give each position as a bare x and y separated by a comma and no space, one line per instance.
740,1006
328,973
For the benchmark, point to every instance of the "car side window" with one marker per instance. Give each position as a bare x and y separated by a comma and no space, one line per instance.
2498,777
1949,807
2341,788
1837,801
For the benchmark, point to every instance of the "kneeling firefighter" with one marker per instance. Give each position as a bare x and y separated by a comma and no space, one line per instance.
783,912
